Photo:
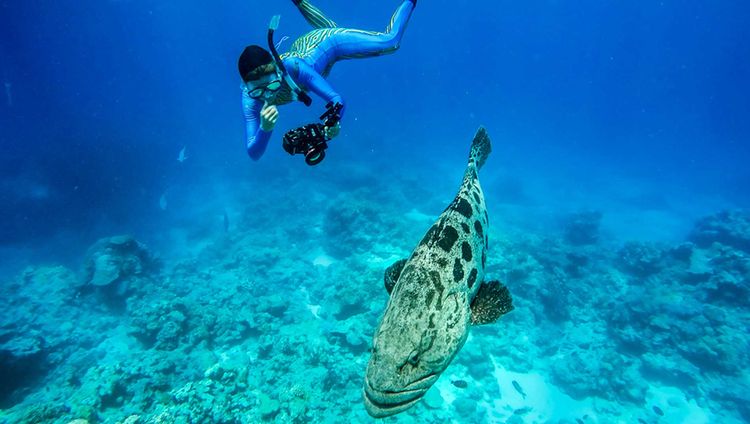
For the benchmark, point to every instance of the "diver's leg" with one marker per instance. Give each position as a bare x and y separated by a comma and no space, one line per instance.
313,15
353,43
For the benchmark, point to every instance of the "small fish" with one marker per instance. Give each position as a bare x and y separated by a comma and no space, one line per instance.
226,222
522,411
658,411
518,388
163,202
314,310
182,157
7,94
461,384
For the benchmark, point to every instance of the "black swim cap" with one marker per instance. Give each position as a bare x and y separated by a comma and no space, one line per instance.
252,57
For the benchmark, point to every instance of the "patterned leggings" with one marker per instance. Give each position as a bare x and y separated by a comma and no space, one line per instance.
326,44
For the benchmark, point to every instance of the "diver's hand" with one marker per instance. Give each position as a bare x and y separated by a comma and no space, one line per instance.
268,116
333,131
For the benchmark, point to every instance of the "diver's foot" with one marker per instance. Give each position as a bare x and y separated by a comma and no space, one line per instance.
296,2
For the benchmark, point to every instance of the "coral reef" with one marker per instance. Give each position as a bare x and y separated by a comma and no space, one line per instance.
640,259
40,330
115,259
730,228
582,228
253,326
348,224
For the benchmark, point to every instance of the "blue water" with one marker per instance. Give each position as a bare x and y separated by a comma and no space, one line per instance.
637,110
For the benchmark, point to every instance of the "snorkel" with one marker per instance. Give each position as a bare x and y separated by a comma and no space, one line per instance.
298,92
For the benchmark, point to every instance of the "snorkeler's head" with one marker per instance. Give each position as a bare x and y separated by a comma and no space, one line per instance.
254,62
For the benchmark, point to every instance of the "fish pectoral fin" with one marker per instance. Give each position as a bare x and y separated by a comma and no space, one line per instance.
492,301
392,273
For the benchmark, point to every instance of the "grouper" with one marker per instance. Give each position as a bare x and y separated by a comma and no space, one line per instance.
435,296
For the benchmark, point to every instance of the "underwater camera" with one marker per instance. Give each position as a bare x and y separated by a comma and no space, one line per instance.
311,140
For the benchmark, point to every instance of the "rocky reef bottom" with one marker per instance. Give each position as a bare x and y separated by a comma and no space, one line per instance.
269,319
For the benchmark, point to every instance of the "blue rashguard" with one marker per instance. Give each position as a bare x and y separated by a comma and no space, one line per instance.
304,76
310,59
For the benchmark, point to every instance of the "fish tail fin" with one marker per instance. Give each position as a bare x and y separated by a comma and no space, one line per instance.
480,148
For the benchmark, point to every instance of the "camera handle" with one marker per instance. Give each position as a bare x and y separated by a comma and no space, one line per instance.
332,115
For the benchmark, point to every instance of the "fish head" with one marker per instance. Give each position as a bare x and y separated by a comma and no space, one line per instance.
423,328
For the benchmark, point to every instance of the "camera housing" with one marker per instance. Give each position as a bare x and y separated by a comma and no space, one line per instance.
311,140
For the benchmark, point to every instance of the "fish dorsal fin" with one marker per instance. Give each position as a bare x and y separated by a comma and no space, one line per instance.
392,273
492,301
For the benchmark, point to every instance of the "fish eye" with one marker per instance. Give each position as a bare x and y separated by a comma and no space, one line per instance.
413,358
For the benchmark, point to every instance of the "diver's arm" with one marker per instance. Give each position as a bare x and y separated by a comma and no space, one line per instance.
315,82
256,138
313,15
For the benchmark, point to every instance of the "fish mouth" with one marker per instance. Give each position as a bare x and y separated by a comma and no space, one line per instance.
384,403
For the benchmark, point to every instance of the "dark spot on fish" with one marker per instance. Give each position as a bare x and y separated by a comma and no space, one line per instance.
486,217
412,296
448,326
658,411
458,271
484,258
429,297
461,384
465,227
478,228
477,198
432,322
439,288
448,238
486,241
430,234
463,207
454,316
442,262
466,251
472,278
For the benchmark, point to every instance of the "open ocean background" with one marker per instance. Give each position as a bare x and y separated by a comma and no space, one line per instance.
618,193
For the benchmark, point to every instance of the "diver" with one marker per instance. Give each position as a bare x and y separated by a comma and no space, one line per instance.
270,79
